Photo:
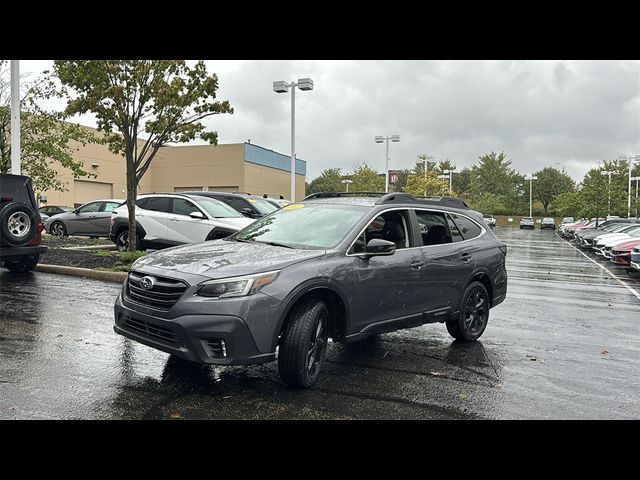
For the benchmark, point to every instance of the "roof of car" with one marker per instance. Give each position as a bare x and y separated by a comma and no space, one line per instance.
378,198
228,194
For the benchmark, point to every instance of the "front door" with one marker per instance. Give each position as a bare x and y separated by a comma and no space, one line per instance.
83,221
387,287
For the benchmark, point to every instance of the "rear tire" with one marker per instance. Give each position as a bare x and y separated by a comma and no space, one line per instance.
122,240
58,229
304,344
24,264
470,324
18,224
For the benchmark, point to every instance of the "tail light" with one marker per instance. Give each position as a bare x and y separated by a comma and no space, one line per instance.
6,199
40,227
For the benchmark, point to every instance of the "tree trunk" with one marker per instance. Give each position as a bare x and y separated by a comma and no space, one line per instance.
131,204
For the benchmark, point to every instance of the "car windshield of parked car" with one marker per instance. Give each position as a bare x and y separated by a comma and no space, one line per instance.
549,220
216,208
263,206
302,225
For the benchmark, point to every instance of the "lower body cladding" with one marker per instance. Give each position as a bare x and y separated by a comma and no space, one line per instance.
221,338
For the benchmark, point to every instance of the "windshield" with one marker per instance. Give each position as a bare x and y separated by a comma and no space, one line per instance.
304,226
547,219
263,206
216,208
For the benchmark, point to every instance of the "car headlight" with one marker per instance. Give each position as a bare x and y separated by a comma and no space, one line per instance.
236,286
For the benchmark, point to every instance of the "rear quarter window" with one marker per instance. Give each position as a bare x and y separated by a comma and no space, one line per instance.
467,227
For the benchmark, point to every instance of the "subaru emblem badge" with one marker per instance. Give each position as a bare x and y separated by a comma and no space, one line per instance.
147,282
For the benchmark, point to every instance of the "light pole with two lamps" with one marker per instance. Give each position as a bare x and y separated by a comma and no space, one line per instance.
450,173
283,87
531,178
381,139
346,183
631,159
609,173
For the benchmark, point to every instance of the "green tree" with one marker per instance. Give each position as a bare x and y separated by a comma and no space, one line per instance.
329,180
366,179
549,183
569,204
489,203
431,186
47,142
155,101
493,175
445,165
461,182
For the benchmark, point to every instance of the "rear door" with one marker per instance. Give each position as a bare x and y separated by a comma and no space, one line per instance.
449,260
153,214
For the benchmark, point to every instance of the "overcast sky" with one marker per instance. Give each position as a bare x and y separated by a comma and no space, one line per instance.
541,113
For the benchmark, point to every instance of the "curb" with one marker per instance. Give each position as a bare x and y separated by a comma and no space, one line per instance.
92,247
113,277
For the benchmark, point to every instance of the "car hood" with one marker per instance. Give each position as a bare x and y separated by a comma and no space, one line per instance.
608,236
58,216
221,259
234,222
613,242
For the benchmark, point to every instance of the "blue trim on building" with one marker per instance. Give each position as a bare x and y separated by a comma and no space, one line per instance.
269,158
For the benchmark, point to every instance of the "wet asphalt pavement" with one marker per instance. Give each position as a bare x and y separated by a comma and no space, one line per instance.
565,344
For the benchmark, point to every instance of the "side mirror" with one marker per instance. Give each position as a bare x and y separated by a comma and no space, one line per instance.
198,215
247,212
377,246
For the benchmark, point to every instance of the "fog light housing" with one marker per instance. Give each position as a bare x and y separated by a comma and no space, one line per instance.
217,347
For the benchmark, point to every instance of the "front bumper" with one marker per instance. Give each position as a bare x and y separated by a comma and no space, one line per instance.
193,337
635,265
621,258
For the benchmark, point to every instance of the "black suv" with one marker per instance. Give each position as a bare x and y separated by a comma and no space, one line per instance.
20,224
248,205
332,266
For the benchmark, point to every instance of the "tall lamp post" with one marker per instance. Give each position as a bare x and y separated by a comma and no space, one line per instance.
637,180
15,117
381,139
283,87
609,173
426,167
531,179
347,183
631,160
450,172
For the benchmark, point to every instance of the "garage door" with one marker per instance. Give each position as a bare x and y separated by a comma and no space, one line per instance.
84,191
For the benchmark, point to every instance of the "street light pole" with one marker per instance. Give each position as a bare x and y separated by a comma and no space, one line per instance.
450,172
283,87
631,160
15,117
380,139
347,182
531,179
609,173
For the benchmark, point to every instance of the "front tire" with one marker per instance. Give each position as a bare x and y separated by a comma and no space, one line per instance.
304,344
469,325
24,264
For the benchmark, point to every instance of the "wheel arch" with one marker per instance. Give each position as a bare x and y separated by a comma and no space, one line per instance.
322,290
482,275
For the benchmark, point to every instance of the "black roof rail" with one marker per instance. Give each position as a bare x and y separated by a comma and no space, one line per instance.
401,197
342,194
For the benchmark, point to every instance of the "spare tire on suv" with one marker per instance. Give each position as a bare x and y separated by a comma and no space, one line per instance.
18,224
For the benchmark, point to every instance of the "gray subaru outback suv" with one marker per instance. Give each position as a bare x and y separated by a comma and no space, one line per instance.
334,266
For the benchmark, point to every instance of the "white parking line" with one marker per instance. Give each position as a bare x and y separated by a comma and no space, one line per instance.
622,282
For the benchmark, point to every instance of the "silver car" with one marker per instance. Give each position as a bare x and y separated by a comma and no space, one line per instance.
92,219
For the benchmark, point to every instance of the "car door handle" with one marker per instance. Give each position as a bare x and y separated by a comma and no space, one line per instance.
465,257
417,265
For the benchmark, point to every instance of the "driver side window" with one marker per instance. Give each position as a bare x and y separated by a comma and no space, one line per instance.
92,207
391,226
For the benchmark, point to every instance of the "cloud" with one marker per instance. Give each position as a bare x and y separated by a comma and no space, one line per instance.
562,113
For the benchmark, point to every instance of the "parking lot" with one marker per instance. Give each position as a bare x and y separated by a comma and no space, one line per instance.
563,345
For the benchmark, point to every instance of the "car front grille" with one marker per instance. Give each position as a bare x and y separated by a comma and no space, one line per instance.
153,332
163,294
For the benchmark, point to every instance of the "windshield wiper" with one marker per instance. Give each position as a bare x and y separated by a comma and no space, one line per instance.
275,244
242,240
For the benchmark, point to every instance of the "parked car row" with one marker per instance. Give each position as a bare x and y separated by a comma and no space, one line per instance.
617,239
163,219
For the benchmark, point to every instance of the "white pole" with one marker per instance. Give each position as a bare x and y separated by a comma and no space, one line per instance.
15,117
293,141
609,207
450,181
386,177
425,176
629,198
531,197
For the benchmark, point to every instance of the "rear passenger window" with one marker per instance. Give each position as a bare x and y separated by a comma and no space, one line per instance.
159,204
468,228
433,227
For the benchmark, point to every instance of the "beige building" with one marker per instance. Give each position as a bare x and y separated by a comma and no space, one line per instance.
238,167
